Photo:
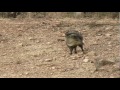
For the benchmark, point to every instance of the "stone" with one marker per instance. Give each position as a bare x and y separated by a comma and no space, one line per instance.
92,53
53,67
26,73
86,60
20,44
48,60
37,41
108,35
99,34
48,43
30,38
74,57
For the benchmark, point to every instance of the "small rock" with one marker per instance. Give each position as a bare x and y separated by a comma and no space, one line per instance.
108,28
98,37
92,53
4,54
107,62
99,34
18,62
35,55
117,65
26,73
48,43
95,43
53,67
54,58
110,48
20,44
112,77
86,60
30,38
51,73
63,35
60,40
84,30
32,67
100,63
74,58
108,35
79,56
109,43
48,60
37,41
19,35
4,75
63,55
20,74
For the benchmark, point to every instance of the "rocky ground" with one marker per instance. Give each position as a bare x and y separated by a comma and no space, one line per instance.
36,48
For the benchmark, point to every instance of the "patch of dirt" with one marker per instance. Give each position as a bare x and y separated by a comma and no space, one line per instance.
37,48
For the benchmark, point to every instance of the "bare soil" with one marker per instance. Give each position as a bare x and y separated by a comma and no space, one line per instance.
36,48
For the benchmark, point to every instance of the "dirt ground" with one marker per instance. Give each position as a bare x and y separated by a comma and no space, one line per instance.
36,48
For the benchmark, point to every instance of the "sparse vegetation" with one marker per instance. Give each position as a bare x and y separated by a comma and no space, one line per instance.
59,14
